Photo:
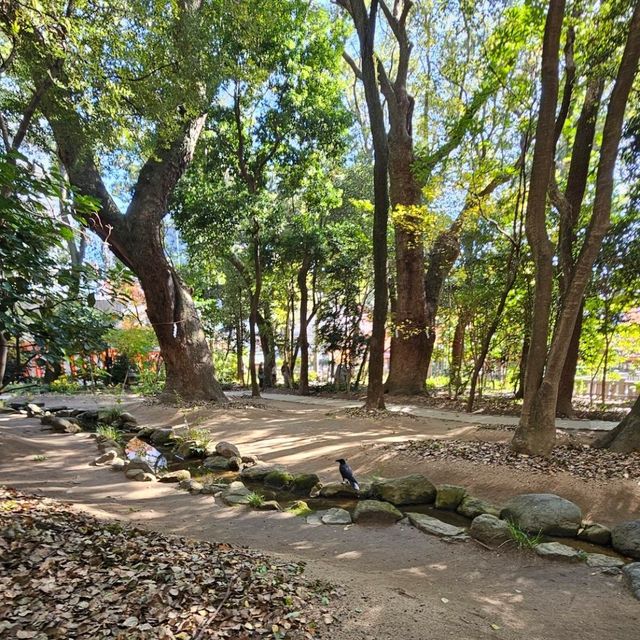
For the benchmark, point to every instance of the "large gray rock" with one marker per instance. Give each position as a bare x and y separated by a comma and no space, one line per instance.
337,490
631,573
259,472
375,512
62,425
304,482
176,476
191,485
118,464
600,560
34,410
543,513
236,493
161,437
625,538
106,458
449,496
558,551
128,419
140,464
278,479
471,507
412,489
489,529
216,462
433,526
336,516
596,534
227,450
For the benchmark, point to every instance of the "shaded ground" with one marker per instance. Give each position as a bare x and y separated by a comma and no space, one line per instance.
400,583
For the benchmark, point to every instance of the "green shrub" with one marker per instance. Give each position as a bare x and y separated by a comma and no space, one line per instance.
255,499
64,384
108,432
150,381
198,439
111,415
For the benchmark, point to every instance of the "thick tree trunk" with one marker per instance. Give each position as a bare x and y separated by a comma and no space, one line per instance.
302,336
536,433
267,342
625,438
564,406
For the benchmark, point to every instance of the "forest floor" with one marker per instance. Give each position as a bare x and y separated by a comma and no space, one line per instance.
399,582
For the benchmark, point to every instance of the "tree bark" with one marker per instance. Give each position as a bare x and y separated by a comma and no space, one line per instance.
4,354
564,406
302,336
536,433
457,355
625,438
365,24
267,343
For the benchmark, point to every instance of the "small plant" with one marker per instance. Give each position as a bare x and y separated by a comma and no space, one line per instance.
64,384
39,458
255,499
198,440
111,415
108,432
523,539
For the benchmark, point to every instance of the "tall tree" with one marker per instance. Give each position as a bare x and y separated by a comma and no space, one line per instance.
536,431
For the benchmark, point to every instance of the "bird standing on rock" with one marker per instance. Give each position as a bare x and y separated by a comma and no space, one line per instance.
347,474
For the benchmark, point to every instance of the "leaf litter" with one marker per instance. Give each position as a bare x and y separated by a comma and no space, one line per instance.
66,574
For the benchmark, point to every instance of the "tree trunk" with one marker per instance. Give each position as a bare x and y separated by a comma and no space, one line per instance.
536,432
302,336
253,319
625,438
239,350
457,355
522,368
267,342
564,406
4,354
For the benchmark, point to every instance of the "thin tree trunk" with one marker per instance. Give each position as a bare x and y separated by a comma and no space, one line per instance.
267,342
457,355
302,336
239,350
4,355
253,318
564,406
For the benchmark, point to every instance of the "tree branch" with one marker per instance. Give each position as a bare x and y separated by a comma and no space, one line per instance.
352,63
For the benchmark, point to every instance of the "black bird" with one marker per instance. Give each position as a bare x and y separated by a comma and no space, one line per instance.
347,474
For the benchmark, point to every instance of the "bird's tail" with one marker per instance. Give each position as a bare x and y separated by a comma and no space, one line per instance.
355,485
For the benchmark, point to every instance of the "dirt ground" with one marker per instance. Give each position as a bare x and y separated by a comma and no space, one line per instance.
400,583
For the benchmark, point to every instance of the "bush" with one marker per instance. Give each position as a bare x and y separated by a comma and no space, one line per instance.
150,381
64,384
107,432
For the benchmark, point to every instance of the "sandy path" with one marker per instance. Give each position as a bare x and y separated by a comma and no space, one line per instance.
396,577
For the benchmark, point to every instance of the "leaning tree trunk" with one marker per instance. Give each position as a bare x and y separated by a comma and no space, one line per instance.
4,354
625,438
564,406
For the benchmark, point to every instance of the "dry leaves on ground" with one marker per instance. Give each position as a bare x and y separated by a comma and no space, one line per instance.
65,574
578,460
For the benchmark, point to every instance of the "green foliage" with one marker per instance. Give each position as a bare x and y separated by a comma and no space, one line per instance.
523,539
150,380
198,439
133,341
255,499
64,384
110,415
109,432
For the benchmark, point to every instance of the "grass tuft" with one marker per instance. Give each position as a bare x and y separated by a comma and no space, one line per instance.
523,539
255,499
107,432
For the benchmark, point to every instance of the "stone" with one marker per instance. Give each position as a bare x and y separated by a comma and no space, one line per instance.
237,487
213,488
471,507
34,410
233,499
216,462
62,425
449,497
107,457
625,538
543,513
304,482
140,464
46,419
337,490
249,459
433,526
258,472
190,449
278,479
375,511
133,474
161,437
227,450
128,418
236,493
489,529
316,517
558,551
412,489
269,505
176,476
145,477
88,419
336,516
234,463
106,445
600,560
192,486
631,574
118,465
595,533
